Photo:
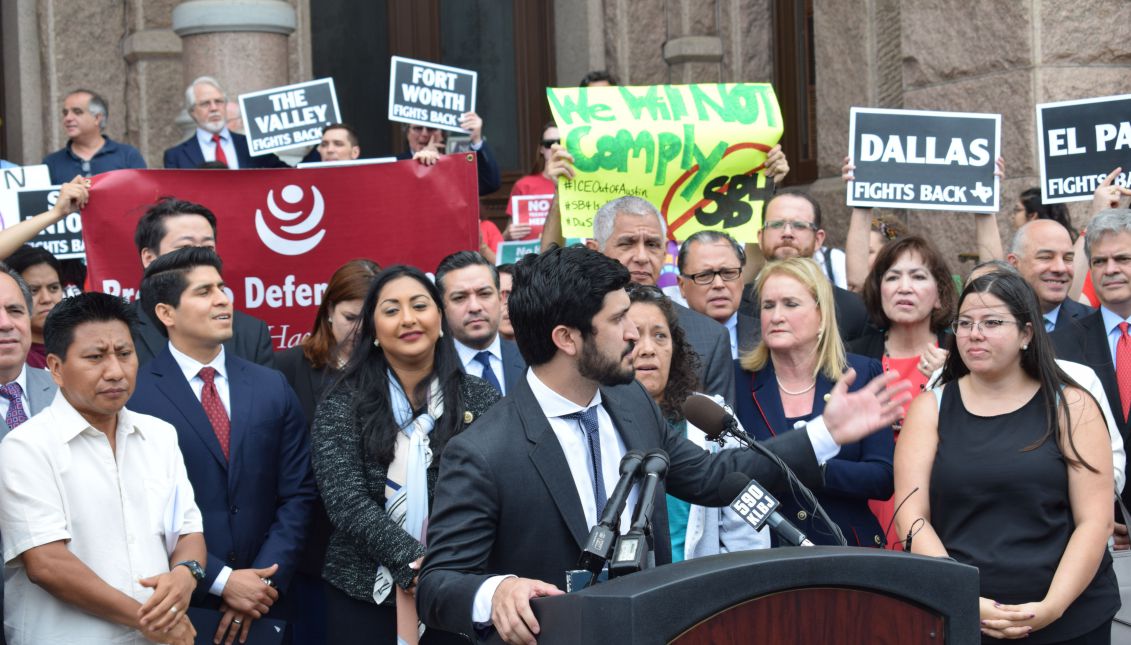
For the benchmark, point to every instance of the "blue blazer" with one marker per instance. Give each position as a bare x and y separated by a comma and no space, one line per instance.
861,471
186,155
257,506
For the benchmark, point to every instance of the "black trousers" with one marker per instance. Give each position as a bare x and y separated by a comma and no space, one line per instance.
351,621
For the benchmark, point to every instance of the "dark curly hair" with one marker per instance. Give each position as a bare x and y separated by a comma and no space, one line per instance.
682,379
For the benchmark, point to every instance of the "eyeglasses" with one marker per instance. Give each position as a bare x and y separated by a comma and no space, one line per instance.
795,224
729,274
987,327
418,128
549,143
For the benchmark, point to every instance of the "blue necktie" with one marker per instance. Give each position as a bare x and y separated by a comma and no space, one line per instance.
1050,326
484,359
588,420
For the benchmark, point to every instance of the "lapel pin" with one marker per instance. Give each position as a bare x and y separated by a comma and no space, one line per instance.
468,417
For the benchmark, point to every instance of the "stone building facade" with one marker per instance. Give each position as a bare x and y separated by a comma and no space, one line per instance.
1002,56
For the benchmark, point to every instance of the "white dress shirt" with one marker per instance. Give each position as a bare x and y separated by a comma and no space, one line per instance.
732,330
5,403
208,147
59,481
475,368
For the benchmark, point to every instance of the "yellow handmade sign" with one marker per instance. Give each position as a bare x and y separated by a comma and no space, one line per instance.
695,151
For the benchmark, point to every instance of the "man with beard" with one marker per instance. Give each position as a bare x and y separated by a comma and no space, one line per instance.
519,491
791,227
207,103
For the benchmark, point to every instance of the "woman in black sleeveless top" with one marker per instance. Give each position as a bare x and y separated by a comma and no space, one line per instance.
1012,466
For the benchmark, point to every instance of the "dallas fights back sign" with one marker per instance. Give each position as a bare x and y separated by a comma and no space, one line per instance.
288,117
428,94
1080,143
920,159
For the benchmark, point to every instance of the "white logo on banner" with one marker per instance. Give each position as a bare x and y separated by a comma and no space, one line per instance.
291,195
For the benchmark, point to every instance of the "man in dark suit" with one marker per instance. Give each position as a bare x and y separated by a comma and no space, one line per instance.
425,145
1043,254
172,224
631,231
469,285
519,491
710,280
206,103
791,227
242,433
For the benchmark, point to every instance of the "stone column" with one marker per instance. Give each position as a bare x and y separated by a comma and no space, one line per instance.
242,43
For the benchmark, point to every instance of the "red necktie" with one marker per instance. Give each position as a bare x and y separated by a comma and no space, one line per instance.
214,408
1123,368
220,156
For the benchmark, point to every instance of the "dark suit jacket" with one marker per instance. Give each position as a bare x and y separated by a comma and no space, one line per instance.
250,339
749,332
514,367
1070,311
711,341
485,164
257,506
186,155
308,383
860,471
851,315
506,502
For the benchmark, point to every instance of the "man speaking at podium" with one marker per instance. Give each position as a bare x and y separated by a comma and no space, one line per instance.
520,489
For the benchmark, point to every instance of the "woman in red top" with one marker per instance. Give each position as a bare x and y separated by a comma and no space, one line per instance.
910,297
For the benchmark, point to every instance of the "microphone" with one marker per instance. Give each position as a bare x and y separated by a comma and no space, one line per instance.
718,422
758,507
635,546
599,545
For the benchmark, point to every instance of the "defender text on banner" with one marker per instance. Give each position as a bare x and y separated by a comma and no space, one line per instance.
918,159
694,151
429,94
288,117
1081,142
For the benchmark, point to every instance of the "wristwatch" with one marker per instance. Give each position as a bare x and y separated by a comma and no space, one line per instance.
194,568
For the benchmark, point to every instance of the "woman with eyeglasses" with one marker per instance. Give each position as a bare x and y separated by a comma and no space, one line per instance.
785,381
1007,467
666,366
910,299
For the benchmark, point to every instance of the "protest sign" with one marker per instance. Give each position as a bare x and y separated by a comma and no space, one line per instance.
693,151
282,233
64,238
288,117
1081,142
514,250
428,94
532,210
921,159
458,143
15,179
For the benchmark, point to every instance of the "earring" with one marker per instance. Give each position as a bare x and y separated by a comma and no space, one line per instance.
377,343
441,333
1024,347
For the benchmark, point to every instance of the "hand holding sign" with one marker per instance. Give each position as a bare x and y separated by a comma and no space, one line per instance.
560,163
1109,195
472,122
73,195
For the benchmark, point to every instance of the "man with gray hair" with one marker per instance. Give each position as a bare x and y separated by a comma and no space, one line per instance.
1043,254
1101,340
710,280
631,231
88,151
207,104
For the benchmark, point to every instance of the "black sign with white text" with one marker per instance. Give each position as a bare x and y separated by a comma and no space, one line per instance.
920,159
64,238
428,94
1081,142
288,117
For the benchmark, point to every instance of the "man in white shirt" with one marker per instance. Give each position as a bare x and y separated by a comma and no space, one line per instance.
102,538
520,490
473,307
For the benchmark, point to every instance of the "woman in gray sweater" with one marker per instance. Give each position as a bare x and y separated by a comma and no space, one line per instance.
377,439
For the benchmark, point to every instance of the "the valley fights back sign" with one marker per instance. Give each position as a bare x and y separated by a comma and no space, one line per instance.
288,117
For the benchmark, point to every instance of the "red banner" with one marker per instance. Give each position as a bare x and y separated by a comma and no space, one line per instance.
282,233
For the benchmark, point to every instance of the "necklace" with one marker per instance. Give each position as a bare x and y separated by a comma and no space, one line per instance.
799,392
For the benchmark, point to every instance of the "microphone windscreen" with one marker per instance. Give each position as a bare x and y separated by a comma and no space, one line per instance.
703,413
733,484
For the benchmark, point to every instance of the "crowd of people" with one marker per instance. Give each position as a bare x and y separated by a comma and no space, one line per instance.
432,455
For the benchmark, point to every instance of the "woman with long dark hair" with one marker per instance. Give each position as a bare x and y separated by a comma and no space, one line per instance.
1007,467
378,436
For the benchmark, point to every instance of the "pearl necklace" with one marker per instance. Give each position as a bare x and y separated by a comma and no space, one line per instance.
797,393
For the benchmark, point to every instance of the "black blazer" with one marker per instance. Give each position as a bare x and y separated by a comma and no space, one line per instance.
851,315
308,383
187,155
506,502
1084,340
514,367
250,339
1070,311
711,341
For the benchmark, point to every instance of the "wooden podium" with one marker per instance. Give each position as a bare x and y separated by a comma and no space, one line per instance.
787,596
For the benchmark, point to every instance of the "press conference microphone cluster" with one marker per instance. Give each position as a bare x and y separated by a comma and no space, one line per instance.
635,549
599,546
759,508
